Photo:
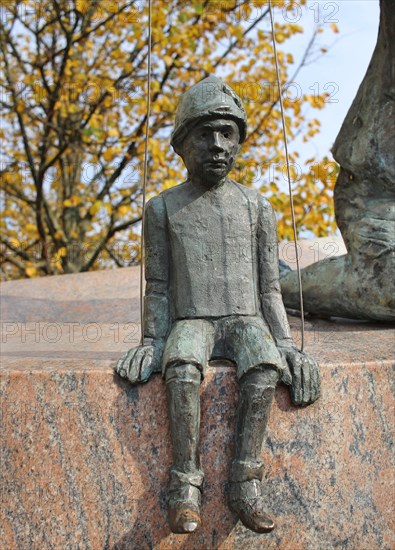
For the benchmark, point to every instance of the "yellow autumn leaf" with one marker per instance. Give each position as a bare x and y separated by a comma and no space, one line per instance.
123,210
82,5
62,252
296,28
94,209
13,177
31,228
108,101
111,6
31,271
110,153
7,212
73,201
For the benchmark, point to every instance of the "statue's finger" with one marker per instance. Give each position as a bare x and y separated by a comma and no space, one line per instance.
122,367
119,366
131,367
315,382
137,363
306,381
296,383
146,364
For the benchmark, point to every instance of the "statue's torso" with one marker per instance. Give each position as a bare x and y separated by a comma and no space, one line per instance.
213,251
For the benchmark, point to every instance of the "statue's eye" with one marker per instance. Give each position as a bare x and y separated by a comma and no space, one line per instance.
226,135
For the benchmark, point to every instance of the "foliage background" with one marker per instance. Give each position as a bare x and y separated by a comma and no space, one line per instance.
73,98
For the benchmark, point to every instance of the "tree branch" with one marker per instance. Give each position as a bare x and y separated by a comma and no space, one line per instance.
101,245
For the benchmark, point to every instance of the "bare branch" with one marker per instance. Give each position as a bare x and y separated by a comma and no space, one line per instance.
17,251
102,244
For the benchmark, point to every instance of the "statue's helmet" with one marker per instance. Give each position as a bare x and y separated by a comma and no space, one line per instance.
209,98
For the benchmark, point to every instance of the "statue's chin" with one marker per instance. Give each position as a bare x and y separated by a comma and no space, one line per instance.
214,174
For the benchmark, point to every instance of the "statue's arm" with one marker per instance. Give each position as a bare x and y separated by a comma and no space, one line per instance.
269,279
139,363
157,318
305,376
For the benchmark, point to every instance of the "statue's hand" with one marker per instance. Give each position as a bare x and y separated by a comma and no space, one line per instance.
305,387
139,363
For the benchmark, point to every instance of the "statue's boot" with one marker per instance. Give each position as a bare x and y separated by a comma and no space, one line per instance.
183,384
256,394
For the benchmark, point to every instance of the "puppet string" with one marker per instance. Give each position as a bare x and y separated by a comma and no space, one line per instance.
142,313
288,177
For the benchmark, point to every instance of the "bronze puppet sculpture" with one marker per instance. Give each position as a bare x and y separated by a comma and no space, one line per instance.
212,291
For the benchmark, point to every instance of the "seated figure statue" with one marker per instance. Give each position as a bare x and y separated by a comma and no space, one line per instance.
212,292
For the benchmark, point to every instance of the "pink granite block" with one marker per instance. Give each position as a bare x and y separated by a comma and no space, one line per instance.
86,456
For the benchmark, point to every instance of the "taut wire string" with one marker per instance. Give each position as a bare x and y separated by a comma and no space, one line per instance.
142,312
288,176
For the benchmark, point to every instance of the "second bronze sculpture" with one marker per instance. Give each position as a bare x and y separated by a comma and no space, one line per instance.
213,292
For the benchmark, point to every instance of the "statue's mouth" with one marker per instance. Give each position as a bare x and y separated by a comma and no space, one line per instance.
217,163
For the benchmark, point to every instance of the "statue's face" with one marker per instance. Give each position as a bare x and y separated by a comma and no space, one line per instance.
209,151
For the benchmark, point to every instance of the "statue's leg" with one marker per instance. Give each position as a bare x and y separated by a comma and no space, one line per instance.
257,389
324,285
358,285
183,385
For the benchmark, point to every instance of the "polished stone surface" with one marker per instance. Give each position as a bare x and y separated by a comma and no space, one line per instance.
85,456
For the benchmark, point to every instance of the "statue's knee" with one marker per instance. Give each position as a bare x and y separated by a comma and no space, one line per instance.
183,372
264,377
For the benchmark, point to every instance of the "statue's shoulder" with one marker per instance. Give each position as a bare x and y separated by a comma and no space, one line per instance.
155,209
265,204
170,195
155,204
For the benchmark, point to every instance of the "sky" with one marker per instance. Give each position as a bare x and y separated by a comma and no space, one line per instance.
342,68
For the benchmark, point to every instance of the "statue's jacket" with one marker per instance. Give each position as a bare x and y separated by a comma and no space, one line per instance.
212,254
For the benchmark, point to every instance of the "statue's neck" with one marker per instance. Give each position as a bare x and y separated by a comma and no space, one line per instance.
204,185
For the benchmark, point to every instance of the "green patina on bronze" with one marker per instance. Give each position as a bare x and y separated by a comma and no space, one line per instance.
213,292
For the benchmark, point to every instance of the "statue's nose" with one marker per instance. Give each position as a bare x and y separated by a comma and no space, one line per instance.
216,143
